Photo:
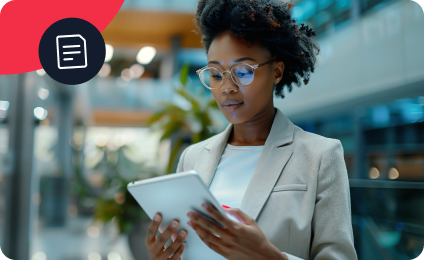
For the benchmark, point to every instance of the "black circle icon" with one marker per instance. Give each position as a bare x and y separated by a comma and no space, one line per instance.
72,51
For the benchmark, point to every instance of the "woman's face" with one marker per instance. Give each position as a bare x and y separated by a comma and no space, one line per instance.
255,97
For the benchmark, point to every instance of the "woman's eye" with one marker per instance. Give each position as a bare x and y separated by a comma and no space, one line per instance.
217,76
241,73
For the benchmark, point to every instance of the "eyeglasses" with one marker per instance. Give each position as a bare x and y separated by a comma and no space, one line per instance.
241,73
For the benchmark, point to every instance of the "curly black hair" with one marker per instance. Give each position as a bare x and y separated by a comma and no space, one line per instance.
270,22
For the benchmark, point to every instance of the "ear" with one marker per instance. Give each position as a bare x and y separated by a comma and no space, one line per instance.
279,70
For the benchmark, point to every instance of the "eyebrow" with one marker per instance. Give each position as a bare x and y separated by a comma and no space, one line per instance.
234,61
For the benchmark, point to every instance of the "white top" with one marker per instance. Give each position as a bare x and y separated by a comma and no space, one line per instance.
232,176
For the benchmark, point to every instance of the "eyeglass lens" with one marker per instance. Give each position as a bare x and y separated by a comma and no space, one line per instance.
242,74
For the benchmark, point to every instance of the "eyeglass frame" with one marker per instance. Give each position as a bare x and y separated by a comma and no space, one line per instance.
229,71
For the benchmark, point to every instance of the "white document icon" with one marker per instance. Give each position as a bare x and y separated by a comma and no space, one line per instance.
71,51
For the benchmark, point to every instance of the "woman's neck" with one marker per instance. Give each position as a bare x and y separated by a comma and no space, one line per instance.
254,131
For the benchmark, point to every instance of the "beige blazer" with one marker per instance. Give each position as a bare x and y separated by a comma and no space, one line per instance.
299,192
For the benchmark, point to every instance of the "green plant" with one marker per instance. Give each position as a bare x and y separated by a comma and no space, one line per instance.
113,201
194,121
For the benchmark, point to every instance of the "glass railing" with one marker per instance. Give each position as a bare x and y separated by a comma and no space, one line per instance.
388,219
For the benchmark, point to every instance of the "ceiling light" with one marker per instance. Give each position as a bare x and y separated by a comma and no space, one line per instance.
43,93
109,52
374,173
40,113
137,70
93,232
127,74
101,140
393,174
4,105
40,72
146,54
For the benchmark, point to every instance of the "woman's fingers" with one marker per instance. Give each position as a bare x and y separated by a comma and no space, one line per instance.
163,238
179,252
240,215
174,247
174,236
205,234
206,224
157,245
153,229
218,216
212,241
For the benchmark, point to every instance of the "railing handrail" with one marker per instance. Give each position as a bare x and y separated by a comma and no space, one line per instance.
361,183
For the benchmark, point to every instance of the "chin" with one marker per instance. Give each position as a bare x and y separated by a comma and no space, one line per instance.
234,117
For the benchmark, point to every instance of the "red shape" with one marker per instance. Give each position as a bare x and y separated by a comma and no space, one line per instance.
225,207
23,22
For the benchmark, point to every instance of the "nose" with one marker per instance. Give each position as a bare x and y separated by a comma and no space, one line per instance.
228,86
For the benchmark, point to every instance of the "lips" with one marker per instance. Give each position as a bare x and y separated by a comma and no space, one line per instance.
231,102
231,108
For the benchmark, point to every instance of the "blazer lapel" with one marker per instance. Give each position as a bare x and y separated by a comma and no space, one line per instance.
275,154
208,159
277,151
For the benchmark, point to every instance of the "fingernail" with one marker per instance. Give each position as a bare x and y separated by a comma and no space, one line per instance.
183,233
174,223
156,217
225,207
183,245
189,223
204,206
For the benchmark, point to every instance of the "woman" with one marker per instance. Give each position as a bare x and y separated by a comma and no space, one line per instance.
285,190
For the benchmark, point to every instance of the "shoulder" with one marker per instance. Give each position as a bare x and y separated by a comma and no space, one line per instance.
196,148
190,153
314,143
328,155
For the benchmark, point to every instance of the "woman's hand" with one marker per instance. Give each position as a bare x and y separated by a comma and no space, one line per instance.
236,241
156,245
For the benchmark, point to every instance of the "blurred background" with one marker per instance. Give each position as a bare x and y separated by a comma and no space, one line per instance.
67,152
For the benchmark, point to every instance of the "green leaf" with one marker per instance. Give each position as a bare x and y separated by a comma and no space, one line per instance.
156,117
188,96
174,152
212,103
171,127
184,73
196,138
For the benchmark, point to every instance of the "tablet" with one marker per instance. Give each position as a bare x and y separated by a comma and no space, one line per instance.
174,195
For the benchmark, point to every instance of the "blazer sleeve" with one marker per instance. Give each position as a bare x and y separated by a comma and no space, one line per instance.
181,160
332,236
